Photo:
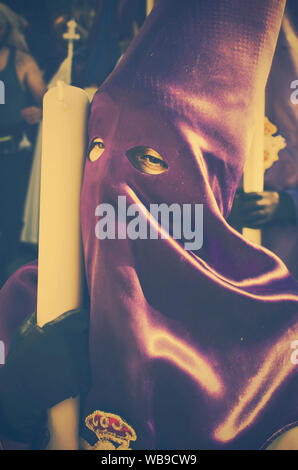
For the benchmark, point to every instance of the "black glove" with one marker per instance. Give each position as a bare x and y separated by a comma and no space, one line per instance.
44,366
255,210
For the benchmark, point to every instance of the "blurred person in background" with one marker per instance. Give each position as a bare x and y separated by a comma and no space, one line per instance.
47,21
24,90
114,25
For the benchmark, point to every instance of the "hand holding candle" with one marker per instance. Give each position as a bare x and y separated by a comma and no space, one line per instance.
253,177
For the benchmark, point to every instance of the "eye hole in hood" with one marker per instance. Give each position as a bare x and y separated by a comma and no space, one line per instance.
96,149
147,160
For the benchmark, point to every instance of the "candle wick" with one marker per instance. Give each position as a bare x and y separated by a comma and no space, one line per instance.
60,85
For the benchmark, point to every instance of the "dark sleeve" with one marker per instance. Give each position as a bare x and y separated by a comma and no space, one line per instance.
44,367
293,193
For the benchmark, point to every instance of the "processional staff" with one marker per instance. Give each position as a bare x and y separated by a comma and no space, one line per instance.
70,36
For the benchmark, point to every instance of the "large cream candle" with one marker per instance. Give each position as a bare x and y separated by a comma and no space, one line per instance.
60,251
253,177
149,6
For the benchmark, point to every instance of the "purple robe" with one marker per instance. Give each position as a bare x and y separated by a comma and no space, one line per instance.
189,349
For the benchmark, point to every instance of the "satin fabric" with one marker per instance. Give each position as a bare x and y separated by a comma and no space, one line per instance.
191,349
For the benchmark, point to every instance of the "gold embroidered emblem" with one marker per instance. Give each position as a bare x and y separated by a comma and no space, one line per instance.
113,432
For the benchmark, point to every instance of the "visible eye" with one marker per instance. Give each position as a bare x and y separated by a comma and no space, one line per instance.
96,149
147,160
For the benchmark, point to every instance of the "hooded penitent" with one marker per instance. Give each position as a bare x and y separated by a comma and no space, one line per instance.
189,348
93,62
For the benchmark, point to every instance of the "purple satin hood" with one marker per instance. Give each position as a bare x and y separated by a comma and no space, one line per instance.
191,349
